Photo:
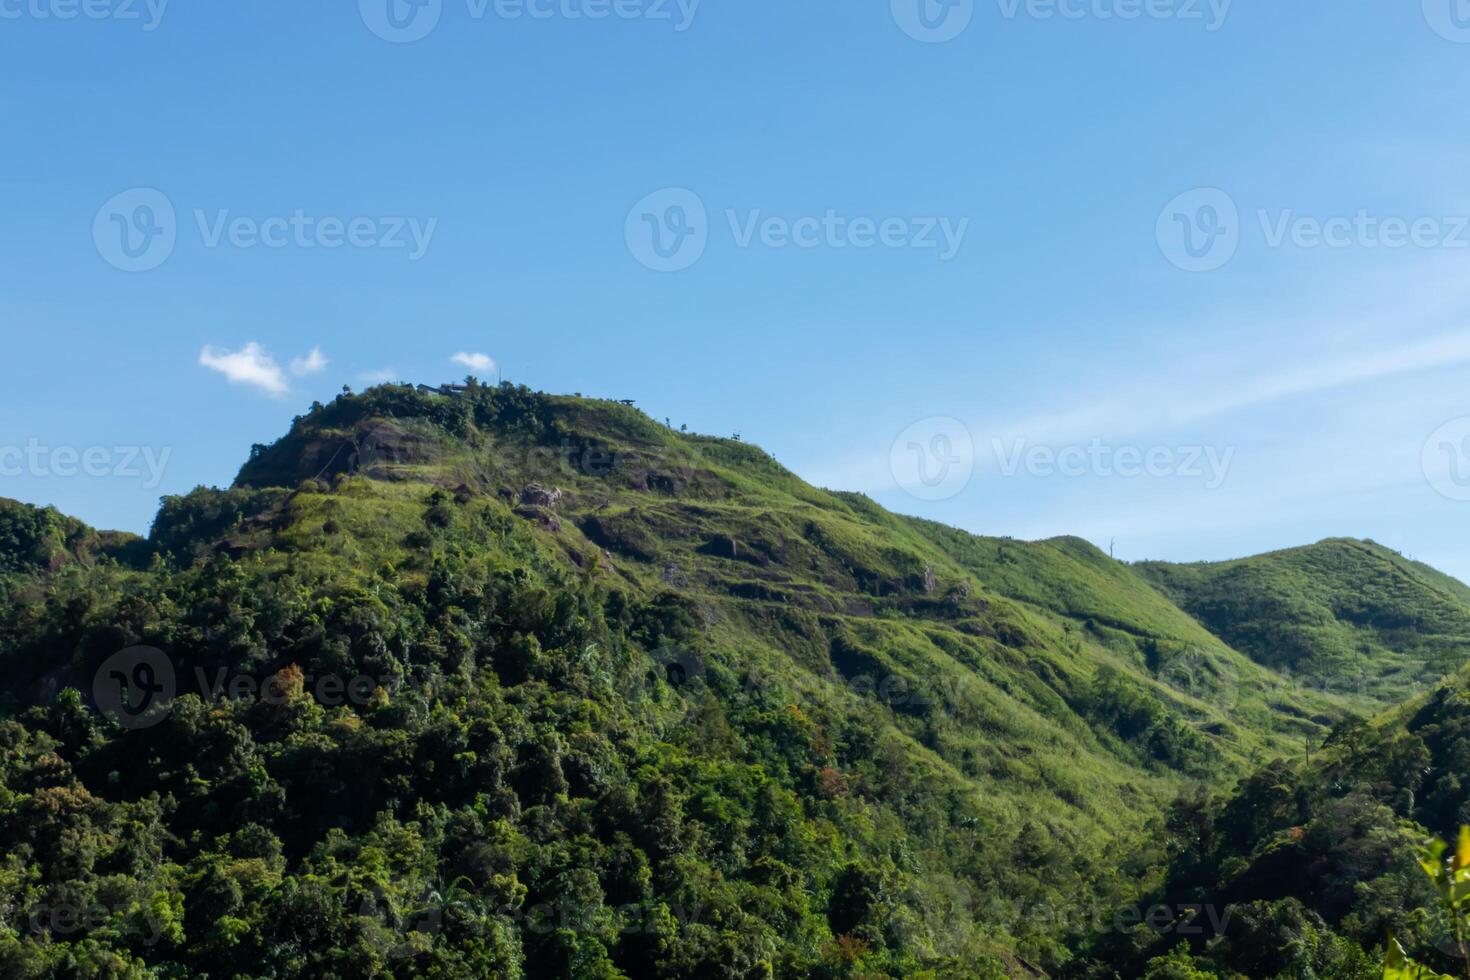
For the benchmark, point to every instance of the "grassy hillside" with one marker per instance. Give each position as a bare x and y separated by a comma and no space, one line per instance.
723,521
1346,616
737,725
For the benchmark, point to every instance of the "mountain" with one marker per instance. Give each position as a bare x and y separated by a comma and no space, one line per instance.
723,521
1346,616
510,684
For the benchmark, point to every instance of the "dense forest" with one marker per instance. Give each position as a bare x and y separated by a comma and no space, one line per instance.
504,684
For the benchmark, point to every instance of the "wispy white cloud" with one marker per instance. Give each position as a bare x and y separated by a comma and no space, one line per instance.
1316,404
250,365
1328,397
483,363
1183,397
378,376
313,363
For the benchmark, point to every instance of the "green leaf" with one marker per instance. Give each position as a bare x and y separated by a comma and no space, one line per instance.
1431,859
1400,967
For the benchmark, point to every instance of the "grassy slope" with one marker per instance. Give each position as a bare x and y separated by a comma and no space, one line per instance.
1346,615
1011,635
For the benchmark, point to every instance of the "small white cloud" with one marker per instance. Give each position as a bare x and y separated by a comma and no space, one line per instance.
250,365
379,376
313,363
483,363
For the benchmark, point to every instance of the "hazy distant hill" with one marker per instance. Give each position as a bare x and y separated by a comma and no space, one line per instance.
1345,615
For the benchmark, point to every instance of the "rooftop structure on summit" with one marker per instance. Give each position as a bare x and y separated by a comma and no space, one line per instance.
450,390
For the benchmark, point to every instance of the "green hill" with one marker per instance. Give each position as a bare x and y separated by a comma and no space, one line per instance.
1346,616
35,539
510,684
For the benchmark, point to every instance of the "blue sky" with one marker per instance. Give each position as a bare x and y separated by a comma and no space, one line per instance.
1183,277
